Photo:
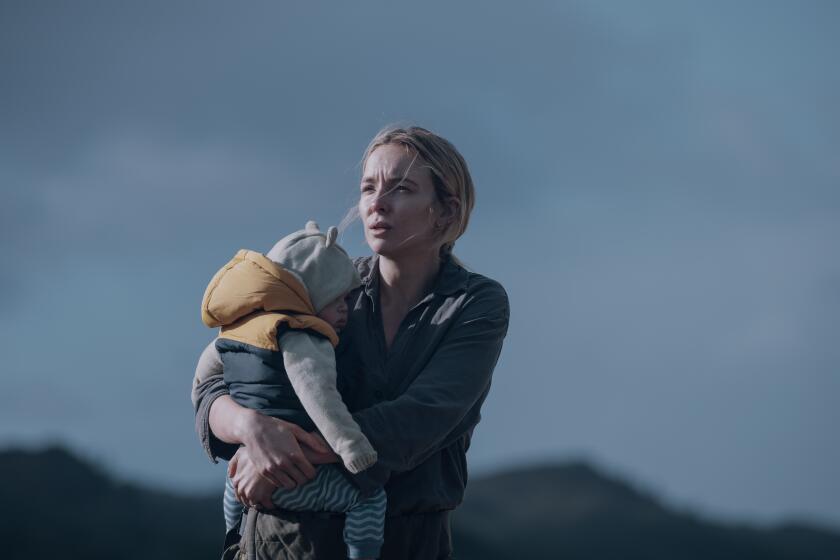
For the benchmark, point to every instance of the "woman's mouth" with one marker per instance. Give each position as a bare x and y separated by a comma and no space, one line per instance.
379,228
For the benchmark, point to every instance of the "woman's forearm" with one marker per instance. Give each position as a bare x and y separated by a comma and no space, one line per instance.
223,425
208,387
205,395
209,372
229,421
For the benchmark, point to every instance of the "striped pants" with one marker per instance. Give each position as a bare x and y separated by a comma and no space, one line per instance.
329,491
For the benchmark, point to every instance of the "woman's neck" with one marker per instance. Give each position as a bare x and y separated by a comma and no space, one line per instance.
404,282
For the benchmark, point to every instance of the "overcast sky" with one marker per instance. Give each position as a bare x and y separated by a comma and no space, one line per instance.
657,190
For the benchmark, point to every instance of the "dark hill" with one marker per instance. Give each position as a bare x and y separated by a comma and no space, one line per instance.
55,505
573,511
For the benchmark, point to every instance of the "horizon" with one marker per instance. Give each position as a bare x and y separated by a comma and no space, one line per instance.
601,471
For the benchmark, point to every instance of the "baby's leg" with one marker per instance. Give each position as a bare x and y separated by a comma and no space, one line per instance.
364,526
232,507
330,491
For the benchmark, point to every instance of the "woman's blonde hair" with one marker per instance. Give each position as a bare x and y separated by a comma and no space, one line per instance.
450,174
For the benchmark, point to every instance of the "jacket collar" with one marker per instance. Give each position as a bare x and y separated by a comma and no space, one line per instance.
451,279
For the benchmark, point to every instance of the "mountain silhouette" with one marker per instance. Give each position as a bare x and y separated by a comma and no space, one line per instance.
56,505
575,511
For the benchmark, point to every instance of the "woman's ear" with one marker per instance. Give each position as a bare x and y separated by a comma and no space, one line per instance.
449,211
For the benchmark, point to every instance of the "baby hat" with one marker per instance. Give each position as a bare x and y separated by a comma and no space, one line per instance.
321,264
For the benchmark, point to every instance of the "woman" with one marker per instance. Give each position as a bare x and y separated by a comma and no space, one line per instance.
415,362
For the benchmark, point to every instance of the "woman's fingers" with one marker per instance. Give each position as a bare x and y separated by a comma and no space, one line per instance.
302,466
297,472
276,453
322,454
234,462
279,471
276,476
286,482
265,464
318,458
289,466
313,440
290,458
254,491
237,490
265,501
258,493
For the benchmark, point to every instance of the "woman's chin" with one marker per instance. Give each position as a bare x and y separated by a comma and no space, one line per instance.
389,246
381,247
375,245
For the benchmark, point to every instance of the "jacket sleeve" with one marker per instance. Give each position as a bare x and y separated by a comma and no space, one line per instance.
310,365
442,403
208,385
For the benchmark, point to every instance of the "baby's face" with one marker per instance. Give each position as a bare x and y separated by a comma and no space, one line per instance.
335,313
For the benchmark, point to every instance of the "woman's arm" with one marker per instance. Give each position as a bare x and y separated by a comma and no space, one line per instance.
273,445
208,385
443,401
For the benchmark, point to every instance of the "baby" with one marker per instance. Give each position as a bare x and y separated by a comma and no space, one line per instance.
279,315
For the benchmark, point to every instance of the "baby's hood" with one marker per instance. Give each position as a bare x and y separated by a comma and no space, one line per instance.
251,282
322,265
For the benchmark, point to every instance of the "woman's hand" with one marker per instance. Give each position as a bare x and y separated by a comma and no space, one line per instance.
273,444
319,456
250,488
275,452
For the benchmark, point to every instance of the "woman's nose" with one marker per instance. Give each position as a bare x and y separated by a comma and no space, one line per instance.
379,202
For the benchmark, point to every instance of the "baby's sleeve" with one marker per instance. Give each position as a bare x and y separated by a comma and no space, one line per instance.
310,365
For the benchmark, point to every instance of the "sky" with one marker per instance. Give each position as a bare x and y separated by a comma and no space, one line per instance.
657,189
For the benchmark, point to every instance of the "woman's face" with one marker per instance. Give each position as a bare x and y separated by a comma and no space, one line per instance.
398,204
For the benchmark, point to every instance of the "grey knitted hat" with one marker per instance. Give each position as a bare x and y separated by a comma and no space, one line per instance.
321,264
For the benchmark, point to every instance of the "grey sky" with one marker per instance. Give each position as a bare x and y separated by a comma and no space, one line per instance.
657,190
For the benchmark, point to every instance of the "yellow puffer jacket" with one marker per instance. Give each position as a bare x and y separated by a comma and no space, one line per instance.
251,297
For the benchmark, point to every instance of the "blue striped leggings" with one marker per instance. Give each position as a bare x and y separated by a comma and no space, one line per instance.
329,491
